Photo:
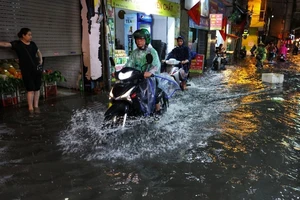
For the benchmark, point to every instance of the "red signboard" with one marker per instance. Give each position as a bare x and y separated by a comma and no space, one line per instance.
216,21
197,64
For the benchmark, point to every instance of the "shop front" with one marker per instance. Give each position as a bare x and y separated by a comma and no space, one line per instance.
160,17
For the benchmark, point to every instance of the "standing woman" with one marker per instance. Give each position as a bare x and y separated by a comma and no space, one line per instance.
27,51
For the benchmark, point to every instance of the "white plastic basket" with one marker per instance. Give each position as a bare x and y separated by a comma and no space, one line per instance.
272,78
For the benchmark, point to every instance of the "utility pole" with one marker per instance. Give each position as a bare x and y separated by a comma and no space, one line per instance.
105,47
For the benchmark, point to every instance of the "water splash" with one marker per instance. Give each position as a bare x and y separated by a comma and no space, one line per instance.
186,124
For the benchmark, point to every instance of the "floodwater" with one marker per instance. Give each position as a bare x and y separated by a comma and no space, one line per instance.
228,137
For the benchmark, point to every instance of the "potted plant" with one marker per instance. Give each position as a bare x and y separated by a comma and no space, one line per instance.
8,88
50,79
50,76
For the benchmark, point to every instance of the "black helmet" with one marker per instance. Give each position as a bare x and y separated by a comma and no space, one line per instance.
142,33
179,37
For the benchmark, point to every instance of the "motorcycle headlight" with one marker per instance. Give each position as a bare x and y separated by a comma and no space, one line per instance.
126,75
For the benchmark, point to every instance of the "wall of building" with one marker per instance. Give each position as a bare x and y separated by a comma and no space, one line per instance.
281,22
56,30
251,39
163,28
159,26
90,42
69,66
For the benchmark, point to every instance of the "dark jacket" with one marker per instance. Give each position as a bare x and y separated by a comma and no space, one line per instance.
180,53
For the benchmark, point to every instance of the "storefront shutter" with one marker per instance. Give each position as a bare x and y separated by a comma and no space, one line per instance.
55,25
202,36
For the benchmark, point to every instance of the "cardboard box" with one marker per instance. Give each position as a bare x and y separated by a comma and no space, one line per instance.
272,78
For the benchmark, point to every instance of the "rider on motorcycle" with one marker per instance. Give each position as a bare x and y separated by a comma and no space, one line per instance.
138,60
219,60
182,54
282,52
260,55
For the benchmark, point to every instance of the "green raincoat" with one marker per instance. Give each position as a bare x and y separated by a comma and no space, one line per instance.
137,60
262,52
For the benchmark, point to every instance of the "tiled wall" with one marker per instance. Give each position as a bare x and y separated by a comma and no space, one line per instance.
69,66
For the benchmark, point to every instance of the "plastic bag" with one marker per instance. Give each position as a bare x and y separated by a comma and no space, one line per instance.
167,84
147,95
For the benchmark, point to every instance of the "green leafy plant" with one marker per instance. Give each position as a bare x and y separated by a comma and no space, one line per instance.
55,76
9,84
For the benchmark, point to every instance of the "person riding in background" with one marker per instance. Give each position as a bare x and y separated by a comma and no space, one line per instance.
283,50
261,54
219,57
182,54
220,49
271,51
27,51
137,58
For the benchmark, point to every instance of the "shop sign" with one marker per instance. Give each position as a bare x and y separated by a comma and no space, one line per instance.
158,7
216,21
197,63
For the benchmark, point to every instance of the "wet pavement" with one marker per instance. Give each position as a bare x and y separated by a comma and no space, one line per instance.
229,136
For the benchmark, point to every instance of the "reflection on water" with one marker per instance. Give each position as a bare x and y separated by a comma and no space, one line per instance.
228,137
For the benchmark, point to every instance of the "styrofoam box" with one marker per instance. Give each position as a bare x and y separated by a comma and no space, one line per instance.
272,77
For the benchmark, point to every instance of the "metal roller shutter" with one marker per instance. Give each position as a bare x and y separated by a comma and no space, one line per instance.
202,37
55,25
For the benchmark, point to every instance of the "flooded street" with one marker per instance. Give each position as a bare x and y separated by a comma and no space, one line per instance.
229,137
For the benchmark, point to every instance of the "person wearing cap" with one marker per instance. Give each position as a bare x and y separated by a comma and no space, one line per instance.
182,54
137,58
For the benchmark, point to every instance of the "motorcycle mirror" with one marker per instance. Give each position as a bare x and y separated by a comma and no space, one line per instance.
112,62
149,58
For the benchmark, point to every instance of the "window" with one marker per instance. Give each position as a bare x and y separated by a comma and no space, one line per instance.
262,10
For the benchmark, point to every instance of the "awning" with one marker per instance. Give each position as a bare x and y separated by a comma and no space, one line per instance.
232,36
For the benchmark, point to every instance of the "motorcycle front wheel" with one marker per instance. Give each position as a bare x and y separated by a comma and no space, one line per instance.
117,109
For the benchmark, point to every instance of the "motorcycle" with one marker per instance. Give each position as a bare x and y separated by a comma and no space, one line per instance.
252,50
282,58
259,63
133,95
243,53
219,61
295,50
176,72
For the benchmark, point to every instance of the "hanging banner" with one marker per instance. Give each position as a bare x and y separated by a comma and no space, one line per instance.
216,21
158,7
